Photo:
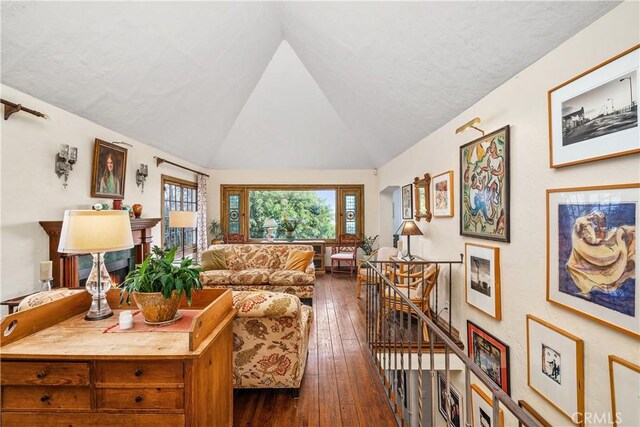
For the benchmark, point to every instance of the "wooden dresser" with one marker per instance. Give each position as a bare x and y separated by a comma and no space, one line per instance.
58,369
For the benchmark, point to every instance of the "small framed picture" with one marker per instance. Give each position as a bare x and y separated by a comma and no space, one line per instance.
482,409
594,115
533,414
555,367
109,170
455,408
482,278
592,253
625,384
490,354
443,194
407,201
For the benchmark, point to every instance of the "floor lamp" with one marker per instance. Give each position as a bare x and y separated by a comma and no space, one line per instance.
96,232
183,219
409,228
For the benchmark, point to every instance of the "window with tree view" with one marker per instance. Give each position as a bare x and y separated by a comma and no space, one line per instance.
178,195
313,210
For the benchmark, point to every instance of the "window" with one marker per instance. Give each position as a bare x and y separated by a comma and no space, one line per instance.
324,211
178,195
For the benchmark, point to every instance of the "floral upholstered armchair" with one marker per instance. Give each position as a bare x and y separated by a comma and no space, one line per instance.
270,339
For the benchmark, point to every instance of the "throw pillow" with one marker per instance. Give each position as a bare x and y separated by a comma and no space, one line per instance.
298,260
214,259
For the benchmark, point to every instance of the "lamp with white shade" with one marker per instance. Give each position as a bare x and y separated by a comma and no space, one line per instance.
183,219
96,232
270,225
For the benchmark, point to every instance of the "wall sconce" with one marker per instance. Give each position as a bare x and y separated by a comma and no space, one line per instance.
65,159
141,175
471,124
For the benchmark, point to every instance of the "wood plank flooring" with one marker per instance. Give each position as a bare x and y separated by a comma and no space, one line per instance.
340,385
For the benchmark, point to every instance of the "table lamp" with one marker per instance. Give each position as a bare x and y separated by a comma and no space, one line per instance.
96,232
270,225
183,219
409,228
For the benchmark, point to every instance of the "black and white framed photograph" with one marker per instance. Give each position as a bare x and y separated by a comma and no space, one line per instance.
482,278
455,408
594,115
407,201
482,409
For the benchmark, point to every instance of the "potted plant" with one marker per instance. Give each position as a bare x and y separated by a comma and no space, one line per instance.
217,236
157,285
367,244
289,225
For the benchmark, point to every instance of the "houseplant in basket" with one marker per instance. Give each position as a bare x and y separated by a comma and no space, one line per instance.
215,229
157,285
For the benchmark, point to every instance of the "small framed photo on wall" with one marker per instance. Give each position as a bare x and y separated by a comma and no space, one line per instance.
555,367
490,354
482,278
455,401
482,409
109,170
625,385
443,194
407,201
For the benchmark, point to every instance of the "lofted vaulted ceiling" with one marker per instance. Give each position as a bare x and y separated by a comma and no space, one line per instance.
277,84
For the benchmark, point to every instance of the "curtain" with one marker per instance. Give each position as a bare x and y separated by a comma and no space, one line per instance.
203,238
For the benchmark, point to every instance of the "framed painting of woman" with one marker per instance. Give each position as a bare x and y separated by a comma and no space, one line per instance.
109,170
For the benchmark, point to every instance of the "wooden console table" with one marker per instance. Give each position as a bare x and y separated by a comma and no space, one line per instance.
58,369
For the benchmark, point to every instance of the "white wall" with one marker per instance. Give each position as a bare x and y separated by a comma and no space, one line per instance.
522,103
32,192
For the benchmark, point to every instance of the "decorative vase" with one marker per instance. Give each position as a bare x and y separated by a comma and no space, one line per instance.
288,235
117,204
137,210
155,307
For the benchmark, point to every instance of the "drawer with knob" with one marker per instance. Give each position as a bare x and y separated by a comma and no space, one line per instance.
140,398
142,372
45,373
45,398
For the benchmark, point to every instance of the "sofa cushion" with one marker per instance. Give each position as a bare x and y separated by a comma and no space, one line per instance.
301,291
290,277
44,297
213,259
216,277
256,256
298,260
251,276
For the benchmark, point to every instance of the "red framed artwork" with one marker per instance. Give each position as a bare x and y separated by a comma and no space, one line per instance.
490,354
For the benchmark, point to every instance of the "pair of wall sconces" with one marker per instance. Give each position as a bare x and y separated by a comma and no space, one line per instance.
66,157
141,175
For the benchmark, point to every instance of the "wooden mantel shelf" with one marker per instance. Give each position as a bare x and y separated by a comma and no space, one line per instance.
65,266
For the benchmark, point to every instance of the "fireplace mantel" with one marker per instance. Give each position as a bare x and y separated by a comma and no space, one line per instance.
65,266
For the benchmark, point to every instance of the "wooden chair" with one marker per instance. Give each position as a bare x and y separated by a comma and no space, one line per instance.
345,251
416,283
234,238
382,254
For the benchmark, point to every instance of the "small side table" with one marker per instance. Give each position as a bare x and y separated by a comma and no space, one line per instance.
13,303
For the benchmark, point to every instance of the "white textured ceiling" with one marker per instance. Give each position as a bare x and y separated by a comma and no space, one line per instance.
277,84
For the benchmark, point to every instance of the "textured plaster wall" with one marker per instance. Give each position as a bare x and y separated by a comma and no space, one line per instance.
32,192
522,103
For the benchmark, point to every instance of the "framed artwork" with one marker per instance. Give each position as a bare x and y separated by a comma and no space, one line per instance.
109,170
490,354
482,409
625,392
591,253
422,199
533,414
484,187
594,115
407,202
555,367
482,278
455,401
443,194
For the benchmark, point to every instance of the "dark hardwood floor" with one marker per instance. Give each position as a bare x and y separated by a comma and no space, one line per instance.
340,385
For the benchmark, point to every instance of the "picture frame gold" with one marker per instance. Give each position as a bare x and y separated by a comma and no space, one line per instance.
565,207
567,379
486,294
619,417
533,413
105,183
443,198
477,390
422,198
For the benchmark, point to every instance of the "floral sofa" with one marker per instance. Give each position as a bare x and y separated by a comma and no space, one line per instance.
261,267
270,340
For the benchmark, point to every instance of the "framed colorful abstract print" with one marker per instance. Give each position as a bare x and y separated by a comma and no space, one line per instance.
594,115
482,409
443,194
490,354
407,201
484,187
482,278
533,414
455,402
625,399
592,251
555,367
